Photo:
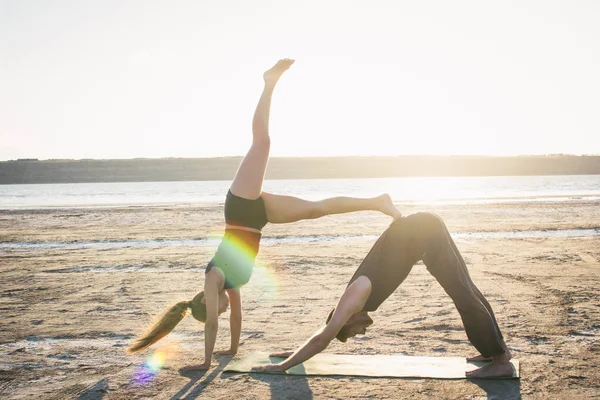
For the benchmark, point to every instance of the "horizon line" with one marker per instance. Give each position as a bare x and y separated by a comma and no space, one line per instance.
298,157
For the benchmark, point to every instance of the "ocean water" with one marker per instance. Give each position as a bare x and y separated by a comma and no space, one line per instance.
212,242
408,190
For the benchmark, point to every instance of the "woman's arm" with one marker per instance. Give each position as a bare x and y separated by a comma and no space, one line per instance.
211,295
235,321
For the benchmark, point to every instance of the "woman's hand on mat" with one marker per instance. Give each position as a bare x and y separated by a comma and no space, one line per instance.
229,352
269,368
283,354
199,367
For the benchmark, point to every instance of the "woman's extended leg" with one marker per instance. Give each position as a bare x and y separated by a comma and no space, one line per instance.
249,177
284,209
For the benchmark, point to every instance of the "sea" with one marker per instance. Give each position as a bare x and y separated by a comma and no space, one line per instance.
405,190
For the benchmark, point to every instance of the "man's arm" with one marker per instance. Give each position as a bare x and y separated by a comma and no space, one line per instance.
351,302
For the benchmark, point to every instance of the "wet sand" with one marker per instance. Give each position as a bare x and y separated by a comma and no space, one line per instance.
69,309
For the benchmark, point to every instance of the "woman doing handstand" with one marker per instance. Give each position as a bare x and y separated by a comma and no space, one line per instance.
247,211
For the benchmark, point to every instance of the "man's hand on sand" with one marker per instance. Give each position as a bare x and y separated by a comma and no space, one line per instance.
269,368
283,354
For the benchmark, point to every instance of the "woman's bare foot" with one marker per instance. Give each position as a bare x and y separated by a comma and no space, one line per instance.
197,367
273,74
386,206
495,369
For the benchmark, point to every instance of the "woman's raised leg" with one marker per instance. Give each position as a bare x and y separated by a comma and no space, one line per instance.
249,177
284,209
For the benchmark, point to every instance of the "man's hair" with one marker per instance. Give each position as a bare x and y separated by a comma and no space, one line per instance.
342,335
330,315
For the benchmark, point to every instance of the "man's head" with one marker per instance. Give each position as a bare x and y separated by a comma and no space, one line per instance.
357,324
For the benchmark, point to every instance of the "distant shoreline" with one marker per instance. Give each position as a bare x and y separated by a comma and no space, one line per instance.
30,171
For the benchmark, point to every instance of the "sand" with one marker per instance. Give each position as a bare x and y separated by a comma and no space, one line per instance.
69,312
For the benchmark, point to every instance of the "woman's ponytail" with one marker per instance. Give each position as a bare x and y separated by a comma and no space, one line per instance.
165,324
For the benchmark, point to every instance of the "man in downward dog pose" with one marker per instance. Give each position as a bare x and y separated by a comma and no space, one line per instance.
420,236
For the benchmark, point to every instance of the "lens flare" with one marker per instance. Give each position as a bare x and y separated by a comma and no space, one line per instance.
266,279
239,248
156,361
146,372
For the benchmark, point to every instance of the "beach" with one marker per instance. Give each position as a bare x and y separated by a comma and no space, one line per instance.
78,284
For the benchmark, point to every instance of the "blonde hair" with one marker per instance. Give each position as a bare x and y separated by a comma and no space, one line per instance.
168,321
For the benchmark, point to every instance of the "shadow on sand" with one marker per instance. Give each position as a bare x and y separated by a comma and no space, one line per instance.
194,388
504,389
94,392
282,386
296,386
286,386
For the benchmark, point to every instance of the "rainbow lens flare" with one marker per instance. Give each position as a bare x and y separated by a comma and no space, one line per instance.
146,372
266,279
234,250
156,361
236,256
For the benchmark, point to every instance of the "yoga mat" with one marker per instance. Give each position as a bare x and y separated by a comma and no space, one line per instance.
384,366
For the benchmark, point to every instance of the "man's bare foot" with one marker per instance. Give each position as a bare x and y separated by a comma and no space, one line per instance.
495,369
506,350
273,74
386,206
482,358
479,358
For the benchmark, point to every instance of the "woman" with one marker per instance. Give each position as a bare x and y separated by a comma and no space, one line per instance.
247,211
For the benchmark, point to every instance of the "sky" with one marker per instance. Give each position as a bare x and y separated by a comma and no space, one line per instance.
149,79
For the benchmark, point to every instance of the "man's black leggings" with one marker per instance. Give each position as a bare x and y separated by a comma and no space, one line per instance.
445,263
424,236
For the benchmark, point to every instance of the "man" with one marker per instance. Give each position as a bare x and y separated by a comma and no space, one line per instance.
420,236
